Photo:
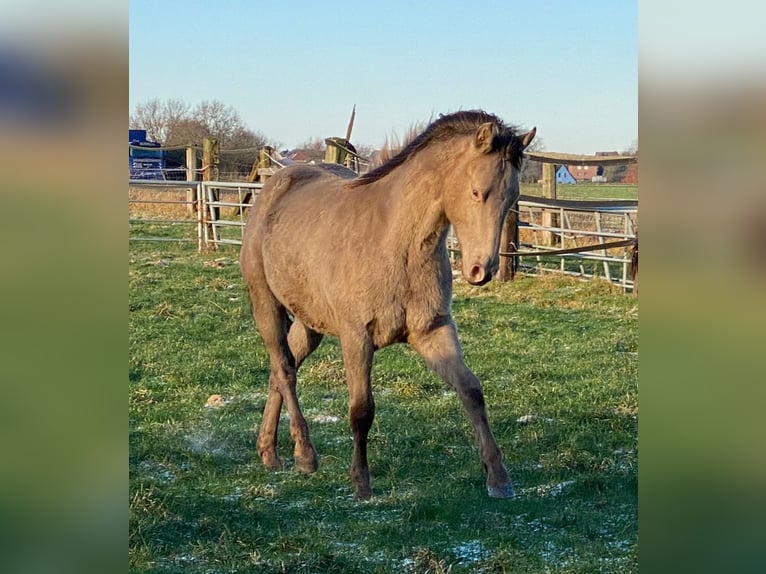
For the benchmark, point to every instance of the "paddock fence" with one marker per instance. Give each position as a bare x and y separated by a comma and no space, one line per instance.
210,213
577,225
213,213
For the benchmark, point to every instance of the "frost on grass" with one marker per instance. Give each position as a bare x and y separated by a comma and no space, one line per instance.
323,419
157,472
556,555
555,547
205,442
469,552
529,419
543,490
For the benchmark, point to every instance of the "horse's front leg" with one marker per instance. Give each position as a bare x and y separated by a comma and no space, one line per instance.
441,350
357,358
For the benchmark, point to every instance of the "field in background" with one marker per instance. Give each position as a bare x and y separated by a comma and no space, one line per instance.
558,360
590,191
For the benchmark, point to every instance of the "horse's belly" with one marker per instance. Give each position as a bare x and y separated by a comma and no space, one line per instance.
384,326
301,298
335,307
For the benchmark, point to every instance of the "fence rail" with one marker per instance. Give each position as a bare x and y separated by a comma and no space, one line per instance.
213,213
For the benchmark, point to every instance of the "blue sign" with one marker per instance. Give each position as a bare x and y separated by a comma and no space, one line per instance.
145,159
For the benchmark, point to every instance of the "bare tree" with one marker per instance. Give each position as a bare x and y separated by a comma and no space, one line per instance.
243,138
313,144
157,117
220,120
187,131
173,122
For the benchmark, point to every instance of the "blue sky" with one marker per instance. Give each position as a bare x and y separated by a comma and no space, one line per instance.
293,70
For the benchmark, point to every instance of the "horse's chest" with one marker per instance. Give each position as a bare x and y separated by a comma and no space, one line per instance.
388,325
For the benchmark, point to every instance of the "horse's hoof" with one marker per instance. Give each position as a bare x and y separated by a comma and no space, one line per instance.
307,465
271,461
506,491
363,494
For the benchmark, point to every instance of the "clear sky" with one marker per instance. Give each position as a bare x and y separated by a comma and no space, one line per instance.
293,70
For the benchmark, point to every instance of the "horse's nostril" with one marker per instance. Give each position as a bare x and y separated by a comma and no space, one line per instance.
477,273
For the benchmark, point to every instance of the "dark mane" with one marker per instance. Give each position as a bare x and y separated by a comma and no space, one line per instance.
446,127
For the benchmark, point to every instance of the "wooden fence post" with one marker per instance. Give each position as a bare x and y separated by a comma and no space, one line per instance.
333,152
634,266
550,238
259,171
211,156
191,175
211,153
508,244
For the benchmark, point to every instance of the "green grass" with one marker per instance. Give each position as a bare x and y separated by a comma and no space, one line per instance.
590,191
560,350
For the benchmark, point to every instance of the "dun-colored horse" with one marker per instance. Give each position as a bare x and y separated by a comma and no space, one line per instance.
366,260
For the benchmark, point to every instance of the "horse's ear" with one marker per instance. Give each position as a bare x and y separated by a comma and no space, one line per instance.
527,138
484,136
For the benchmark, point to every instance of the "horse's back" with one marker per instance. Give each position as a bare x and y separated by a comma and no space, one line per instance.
285,181
290,189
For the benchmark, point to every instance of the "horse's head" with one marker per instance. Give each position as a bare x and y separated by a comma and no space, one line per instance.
480,195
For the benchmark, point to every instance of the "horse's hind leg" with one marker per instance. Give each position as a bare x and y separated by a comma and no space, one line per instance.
302,342
267,436
271,318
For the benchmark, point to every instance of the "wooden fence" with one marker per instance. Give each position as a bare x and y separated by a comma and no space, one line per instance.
578,224
213,213
552,225
210,213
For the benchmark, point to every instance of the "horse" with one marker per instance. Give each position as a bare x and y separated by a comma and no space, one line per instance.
365,260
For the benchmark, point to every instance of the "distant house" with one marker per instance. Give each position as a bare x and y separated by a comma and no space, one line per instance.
305,155
587,172
564,176
297,155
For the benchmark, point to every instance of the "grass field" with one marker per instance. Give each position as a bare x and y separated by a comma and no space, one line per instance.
591,191
558,360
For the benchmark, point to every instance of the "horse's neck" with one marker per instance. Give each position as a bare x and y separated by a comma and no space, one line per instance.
418,223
